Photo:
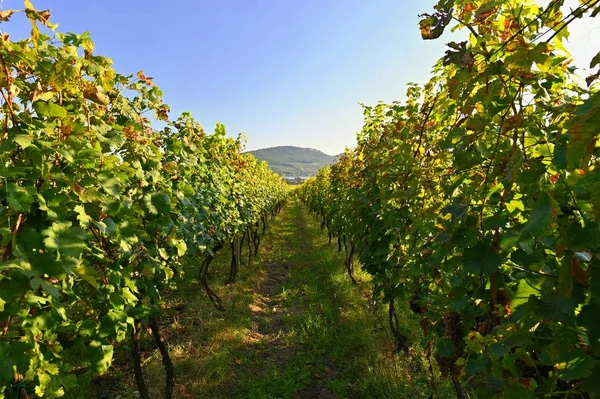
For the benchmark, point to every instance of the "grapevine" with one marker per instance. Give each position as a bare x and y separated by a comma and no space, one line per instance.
99,211
475,201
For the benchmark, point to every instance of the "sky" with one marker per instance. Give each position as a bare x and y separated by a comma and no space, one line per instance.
285,72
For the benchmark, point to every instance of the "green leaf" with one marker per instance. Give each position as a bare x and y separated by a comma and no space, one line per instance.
592,383
457,210
65,239
541,217
477,123
111,186
465,159
560,156
445,348
129,296
577,366
125,246
24,140
517,392
150,205
114,323
509,240
61,312
35,300
115,300
37,282
588,318
181,247
162,202
509,364
163,253
476,364
50,110
481,259
498,349
20,198
87,273
581,239
525,289
84,218
565,278
100,356
13,354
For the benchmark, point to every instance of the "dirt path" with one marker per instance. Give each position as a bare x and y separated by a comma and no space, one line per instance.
293,327
276,305
268,326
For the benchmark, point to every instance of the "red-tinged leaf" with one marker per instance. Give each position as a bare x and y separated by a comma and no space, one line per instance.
583,132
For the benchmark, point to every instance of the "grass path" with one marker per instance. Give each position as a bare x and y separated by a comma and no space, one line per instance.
293,327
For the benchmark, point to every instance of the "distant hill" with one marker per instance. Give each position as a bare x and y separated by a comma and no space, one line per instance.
294,161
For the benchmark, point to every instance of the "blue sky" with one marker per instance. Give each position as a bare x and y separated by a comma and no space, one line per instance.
285,72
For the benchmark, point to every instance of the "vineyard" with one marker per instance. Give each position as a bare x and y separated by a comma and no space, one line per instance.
467,218
100,211
474,204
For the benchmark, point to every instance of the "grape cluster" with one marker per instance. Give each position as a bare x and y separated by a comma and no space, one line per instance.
415,303
446,365
454,331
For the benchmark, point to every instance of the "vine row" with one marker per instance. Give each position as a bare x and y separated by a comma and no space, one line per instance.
475,204
100,211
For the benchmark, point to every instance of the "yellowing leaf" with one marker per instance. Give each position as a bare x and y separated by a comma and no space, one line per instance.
6,14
